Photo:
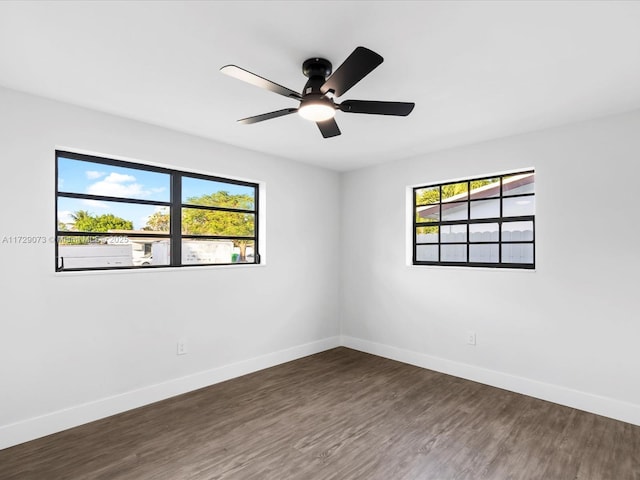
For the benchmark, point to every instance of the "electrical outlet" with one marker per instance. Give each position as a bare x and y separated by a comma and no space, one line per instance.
182,347
471,338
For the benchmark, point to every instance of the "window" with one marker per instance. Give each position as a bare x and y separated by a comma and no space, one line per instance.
112,214
479,222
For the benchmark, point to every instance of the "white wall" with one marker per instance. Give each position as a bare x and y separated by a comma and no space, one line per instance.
575,337
75,347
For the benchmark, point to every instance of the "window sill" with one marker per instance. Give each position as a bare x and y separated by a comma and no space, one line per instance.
462,267
136,271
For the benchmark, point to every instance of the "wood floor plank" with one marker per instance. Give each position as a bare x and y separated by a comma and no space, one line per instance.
338,415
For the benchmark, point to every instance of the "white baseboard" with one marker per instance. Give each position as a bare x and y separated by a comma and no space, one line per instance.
588,402
32,428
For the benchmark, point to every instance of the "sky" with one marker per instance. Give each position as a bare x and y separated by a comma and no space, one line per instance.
79,176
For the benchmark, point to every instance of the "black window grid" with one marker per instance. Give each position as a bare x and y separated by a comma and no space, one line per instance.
175,205
500,220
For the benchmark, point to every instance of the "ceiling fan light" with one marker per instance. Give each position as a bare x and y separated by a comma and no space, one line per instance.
317,111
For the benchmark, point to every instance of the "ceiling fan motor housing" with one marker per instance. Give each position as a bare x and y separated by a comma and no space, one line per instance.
317,69
313,67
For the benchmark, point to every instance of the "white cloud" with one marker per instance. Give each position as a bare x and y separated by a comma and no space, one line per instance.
95,203
118,185
92,174
119,178
64,216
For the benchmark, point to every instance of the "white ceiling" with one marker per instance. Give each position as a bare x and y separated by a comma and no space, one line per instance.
476,70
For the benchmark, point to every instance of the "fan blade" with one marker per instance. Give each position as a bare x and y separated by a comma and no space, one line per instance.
329,128
377,108
267,116
357,66
258,81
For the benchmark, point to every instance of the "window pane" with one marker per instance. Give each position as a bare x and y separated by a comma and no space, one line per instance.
454,192
197,221
111,251
487,188
455,211
517,253
517,184
474,220
196,191
427,234
427,253
517,231
243,254
427,196
485,253
483,232
79,176
485,208
116,214
428,214
150,251
513,207
454,253
217,251
99,216
453,233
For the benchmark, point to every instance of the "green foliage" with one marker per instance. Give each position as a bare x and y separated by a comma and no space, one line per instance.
425,230
158,222
224,199
206,222
83,221
431,195
427,196
481,183
196,221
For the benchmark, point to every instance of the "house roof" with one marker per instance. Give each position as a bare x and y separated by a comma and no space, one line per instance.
486,191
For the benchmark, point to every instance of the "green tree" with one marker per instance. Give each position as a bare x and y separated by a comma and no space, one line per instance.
84,221
430,195
158,222
196,221
234,224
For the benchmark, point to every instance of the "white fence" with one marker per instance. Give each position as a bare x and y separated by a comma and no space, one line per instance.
131,253
484,253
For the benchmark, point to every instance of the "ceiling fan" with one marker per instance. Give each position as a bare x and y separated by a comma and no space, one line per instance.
316,100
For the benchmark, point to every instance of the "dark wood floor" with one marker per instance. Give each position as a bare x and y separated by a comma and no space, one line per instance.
338,415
